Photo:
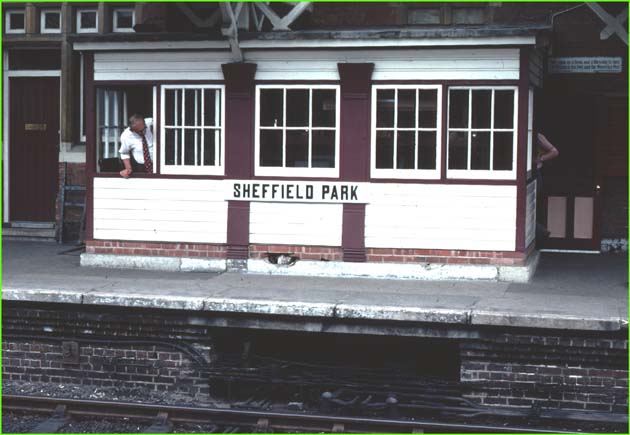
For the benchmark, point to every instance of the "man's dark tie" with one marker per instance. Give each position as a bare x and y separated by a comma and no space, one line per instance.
148,165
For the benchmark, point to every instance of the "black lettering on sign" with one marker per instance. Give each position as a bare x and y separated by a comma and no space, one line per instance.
255,191
237,190
353,193
325,190
309,191
334,194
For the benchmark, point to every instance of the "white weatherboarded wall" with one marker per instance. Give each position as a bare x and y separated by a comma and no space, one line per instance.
295,223
165,210
530,213
166,65
400,64
467,217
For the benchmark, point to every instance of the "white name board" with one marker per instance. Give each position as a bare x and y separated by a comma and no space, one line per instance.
295,191
584,65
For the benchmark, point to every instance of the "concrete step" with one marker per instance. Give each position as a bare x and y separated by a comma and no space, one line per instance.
41,233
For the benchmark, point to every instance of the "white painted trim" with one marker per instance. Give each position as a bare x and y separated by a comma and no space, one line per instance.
433,174
7,25
150,45
34,73
81,98
410,42
115,20
297,172
42,21
571,251
192,170
273,44
5,134
476,174
87,29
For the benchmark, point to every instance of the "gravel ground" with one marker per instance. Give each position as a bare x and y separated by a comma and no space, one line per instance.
87,425
123,394
20,422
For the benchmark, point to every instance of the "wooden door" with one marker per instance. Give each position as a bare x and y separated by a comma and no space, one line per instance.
570,195
33,148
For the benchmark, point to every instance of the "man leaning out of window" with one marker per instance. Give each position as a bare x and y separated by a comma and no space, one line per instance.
136,149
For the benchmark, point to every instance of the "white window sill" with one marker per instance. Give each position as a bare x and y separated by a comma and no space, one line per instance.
462,174
192,170
406,174
269,171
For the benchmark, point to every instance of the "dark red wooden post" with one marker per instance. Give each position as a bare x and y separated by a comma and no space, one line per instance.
521,150
239,149
90,141
356,81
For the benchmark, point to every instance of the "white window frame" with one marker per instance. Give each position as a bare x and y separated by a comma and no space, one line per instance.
7,26
427,174
277,171
530,129
81,98
115,19
189,169
42,21
483,174
86,29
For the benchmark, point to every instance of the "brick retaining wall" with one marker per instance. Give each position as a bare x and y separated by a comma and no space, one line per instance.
556,372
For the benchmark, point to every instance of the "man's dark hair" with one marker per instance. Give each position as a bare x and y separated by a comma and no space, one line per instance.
135,117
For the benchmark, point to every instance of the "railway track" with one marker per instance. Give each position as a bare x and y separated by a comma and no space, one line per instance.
160,418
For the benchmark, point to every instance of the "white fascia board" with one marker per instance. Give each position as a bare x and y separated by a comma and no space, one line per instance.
150,45
415,42
317,43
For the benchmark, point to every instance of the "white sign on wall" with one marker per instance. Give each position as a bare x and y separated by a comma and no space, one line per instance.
295,191
584,65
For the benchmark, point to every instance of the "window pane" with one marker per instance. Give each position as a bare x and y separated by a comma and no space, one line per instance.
324,107
16,21
297,148
189,146
458,108
172,107
458,150
406,108
211,138
504,109
212,108
385,108
406,145
88,20
191,102
124,19
297,107
480,150
481,108
271,107
385,149
271,148
52,20
503,149
427,147
171,141
427,108
323,146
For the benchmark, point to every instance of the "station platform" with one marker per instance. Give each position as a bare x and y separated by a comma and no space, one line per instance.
580,292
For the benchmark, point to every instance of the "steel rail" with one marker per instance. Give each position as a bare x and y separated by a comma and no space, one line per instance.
226,416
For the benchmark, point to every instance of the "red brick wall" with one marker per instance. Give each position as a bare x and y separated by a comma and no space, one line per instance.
157,249
317,253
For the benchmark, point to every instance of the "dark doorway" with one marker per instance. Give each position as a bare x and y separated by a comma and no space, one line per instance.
33,148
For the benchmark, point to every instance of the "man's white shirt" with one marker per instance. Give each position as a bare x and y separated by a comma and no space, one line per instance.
131,142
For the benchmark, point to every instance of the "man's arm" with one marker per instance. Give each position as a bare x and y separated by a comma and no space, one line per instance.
551,152
125,151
